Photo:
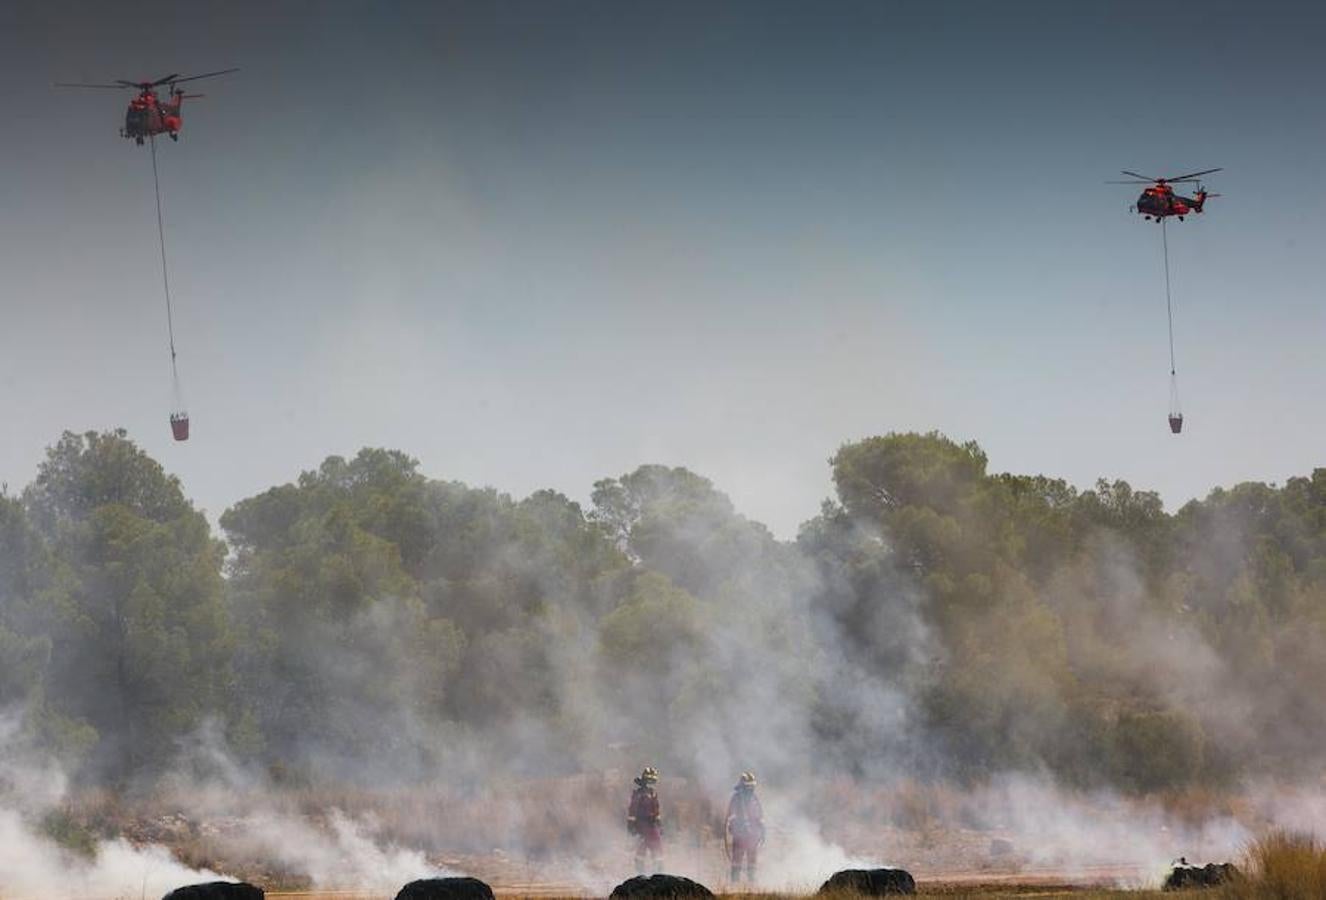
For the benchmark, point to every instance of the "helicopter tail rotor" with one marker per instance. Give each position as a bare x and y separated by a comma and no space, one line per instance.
1200,197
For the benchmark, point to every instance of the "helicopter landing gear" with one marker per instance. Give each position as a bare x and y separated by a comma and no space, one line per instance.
174,136
1180,218
1148,218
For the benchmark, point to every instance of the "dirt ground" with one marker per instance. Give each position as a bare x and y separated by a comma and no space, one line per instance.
562,838
1043,887
1034,882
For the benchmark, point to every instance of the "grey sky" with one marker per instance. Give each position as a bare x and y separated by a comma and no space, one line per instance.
535,244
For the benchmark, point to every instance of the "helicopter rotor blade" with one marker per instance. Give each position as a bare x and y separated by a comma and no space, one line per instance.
1146,178
169,78
175,80
1192,175
80,84
1135,181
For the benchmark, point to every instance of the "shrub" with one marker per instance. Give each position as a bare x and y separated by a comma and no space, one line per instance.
1282,865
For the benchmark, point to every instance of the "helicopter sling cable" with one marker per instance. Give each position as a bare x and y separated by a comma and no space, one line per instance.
179,417
1159,202
1175,410
148,116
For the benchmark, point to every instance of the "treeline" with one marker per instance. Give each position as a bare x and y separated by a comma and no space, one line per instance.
368,624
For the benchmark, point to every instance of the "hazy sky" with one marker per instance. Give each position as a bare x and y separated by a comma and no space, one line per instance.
536,244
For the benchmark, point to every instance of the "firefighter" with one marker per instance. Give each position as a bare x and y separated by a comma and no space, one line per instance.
643,820
745,826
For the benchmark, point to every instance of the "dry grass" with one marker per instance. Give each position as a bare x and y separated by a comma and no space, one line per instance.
1033,890
517,832
1282,866
554,816
976,892
542,818
947,891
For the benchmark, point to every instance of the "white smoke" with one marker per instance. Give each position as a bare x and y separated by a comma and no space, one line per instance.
767,661
1099,834
341,856
34,865
797,857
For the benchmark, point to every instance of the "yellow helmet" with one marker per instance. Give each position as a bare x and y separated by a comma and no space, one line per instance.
748,779
650,774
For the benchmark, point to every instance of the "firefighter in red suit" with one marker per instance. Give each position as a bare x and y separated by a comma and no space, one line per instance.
644,821
745,826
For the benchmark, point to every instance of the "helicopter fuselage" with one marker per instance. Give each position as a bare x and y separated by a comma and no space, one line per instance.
1161,201
148,116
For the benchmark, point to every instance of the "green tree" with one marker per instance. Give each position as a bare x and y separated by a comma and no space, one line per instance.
25,575
675,522
140,636
338,646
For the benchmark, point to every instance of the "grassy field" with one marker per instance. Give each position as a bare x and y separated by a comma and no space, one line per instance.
974,892
561,838
931,890
1279,866
564,833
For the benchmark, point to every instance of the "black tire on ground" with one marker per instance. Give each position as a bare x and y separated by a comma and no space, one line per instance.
446,889
1210,875
870,882
661,887
216,890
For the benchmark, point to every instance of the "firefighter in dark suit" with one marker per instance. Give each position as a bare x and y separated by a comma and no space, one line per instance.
644,821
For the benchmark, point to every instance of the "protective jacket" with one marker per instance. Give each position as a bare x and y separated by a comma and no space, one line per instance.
745,816
643,817
745,827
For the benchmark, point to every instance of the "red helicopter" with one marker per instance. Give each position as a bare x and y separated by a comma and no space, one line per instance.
148,115
1159,200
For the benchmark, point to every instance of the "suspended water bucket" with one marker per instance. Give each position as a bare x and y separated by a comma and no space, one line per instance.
1175,422
179,425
